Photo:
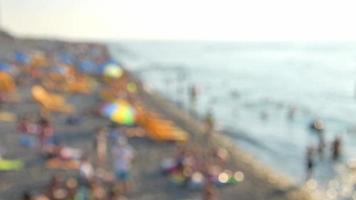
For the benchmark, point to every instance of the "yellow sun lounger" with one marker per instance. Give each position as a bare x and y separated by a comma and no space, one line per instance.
7,83
161,129
7,117
51,102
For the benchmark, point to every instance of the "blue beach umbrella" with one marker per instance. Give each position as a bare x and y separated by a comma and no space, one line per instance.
88,66
22,58
5,68
66,58
120,112
58,69
108,109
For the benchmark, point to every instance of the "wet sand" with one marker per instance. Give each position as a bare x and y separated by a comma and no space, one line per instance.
260,182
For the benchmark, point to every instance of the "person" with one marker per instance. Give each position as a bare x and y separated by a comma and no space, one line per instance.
27,196
209,121
74,119
123,156
208,192
318,127
336,148
46,132
86,172
264,115
291,113
100,145
193,93
27,131
54,185
115,133
309,162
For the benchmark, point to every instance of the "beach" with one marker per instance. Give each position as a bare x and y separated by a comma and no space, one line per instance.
260,182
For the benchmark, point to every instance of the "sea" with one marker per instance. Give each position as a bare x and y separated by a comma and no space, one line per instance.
252,88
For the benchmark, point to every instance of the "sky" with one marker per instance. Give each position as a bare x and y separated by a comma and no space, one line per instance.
237,20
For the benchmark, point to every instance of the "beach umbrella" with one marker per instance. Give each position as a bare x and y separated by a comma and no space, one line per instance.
5,68
66,58
88,66
120,112
22,58
112,70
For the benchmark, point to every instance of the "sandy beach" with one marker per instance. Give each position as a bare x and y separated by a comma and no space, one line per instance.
260,182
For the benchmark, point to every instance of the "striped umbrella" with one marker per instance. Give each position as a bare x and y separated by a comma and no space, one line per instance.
120,112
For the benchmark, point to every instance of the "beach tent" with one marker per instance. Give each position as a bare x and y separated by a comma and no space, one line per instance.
119,111
7,83
49,101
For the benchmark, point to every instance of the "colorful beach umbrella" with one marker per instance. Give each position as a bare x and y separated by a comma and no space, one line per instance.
120,112
112,70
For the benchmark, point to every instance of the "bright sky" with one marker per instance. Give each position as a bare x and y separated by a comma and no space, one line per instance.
241,20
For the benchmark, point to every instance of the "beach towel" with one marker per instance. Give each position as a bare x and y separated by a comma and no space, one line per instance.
27,141
9,165
57,163
7,117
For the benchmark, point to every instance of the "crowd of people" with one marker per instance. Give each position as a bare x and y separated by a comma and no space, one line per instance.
71,69
104,172
313,152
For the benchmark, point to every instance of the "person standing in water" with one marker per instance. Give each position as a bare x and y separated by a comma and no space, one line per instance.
318,127
209,124
336,148
309,162
193,93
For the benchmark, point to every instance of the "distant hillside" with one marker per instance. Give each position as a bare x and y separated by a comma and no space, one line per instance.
6,35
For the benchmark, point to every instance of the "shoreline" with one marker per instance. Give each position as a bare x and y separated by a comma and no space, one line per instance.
187,122
261,182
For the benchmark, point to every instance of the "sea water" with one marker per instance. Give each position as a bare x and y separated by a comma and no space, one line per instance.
251,89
